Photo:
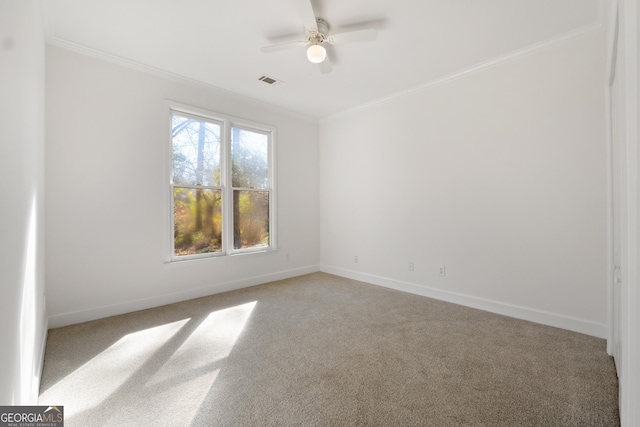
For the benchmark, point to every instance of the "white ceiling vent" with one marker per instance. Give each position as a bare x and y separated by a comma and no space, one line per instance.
269,80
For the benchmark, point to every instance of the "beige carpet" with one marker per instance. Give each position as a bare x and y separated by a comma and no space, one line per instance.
320,350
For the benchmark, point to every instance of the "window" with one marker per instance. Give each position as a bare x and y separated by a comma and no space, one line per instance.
221,185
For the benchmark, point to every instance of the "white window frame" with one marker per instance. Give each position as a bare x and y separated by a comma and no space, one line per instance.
226,123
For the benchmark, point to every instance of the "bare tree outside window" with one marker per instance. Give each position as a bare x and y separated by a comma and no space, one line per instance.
197,197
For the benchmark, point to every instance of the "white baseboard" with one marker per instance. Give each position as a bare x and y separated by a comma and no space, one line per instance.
39,364
524,313
80,316
519,312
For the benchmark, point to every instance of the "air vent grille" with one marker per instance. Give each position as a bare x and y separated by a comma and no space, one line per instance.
269,80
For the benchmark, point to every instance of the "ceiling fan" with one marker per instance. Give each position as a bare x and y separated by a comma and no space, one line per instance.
317,34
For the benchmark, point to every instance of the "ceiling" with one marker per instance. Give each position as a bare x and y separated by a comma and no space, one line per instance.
218,42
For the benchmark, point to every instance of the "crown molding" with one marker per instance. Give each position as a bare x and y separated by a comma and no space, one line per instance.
577,33
541,46
157,72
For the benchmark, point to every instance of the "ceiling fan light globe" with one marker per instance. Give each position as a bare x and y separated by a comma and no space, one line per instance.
316,53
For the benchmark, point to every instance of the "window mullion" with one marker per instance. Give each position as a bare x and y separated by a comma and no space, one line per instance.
266,189
227,190
202,187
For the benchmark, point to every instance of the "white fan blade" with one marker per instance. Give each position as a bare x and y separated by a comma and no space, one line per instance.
325,66
282,46
353,36
305,10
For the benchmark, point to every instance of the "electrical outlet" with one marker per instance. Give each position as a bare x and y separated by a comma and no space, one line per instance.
442,270
410,265
355,259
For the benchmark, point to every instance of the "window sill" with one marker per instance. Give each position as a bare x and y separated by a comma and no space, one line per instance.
222,258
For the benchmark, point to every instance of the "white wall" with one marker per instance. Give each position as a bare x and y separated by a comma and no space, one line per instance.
632,410
107,188
22,311
499,175
626,126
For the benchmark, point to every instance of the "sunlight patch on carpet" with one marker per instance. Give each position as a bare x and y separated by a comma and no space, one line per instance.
183,382
96,380
170,368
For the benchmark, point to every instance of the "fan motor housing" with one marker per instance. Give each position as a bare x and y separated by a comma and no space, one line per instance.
319,36
323,27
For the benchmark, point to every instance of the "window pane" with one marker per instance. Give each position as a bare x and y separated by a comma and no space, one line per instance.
249,159
196,151
197,219
250,219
